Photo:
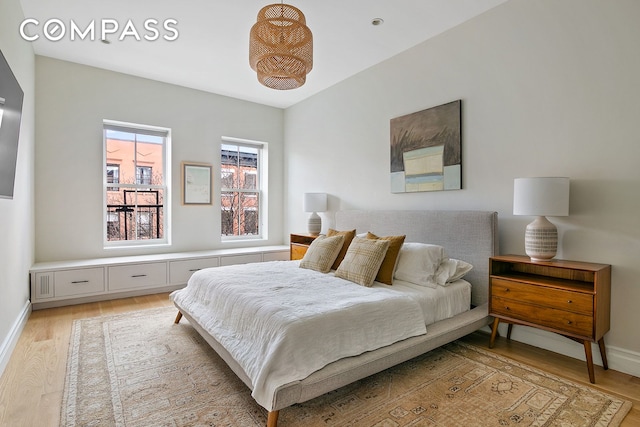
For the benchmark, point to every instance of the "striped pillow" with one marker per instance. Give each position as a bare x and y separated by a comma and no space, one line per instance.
321,253
362,260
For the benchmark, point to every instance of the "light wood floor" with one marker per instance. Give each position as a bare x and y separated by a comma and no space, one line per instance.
32,384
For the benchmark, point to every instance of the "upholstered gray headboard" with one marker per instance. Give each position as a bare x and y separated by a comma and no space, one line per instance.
471,236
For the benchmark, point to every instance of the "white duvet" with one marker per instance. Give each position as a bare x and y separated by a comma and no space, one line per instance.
281,322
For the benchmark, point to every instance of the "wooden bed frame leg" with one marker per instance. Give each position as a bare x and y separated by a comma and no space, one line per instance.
272,418
178,317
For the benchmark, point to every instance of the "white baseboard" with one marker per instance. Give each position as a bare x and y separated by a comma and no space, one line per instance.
11,339
619,359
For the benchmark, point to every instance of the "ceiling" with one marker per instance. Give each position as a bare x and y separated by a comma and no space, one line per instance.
210,52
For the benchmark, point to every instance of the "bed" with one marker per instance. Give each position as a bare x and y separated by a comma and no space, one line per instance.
267,361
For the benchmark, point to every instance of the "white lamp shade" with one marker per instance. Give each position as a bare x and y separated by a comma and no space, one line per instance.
315,202
547,196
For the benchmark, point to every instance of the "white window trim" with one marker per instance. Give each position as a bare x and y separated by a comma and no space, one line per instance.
263,174
145,243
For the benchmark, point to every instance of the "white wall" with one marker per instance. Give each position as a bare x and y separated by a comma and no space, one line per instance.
548,88
71,104
16,215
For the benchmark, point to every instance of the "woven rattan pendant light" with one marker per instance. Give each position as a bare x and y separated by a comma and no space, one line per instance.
281,47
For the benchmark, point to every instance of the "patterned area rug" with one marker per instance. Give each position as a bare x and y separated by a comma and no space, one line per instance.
140,369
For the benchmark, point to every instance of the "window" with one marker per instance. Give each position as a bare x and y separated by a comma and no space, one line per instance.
250,179
113,176
143,175
136,175
227,177
113,222
242,182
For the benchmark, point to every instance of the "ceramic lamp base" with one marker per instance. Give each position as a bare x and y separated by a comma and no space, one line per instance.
314,225
541,239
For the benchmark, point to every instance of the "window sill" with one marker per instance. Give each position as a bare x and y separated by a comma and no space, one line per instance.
136,245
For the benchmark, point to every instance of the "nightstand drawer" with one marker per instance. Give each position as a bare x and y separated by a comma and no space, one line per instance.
548,297
558,320
298,251
299,244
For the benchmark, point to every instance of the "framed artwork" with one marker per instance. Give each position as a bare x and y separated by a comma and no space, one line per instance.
196,183
426,150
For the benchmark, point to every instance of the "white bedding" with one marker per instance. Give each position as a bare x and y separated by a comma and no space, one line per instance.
271,317
439,303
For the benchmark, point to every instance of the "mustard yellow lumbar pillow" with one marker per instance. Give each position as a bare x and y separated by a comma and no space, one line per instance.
388,267
348,237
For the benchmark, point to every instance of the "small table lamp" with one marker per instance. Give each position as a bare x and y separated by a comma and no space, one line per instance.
315,202
541,197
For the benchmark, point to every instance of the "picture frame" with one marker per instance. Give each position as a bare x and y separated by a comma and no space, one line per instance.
196,183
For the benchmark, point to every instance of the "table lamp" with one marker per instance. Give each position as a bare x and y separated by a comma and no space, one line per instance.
314,202
541,197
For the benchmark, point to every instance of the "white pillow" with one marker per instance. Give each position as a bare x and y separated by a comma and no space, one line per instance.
451,270
418,263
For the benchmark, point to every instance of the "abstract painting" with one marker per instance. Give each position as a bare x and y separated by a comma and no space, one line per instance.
426,150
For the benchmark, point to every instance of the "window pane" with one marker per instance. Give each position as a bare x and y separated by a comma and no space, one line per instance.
227,178
135,215
121,154
229,205
229,163
251,222
149,159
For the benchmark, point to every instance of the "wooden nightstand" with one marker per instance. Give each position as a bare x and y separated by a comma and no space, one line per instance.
569,298
299,243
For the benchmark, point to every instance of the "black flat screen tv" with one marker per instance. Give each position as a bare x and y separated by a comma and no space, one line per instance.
11,97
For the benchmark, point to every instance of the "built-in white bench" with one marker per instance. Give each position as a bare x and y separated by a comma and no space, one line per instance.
55,284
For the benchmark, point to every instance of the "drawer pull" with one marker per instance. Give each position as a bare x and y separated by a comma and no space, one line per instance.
569,302
195,269
507,308
75,282
569,322
139,275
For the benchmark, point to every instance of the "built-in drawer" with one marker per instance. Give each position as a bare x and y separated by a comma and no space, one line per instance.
181,271
78,282
275,256
240,259
554,298
559,320
122,277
